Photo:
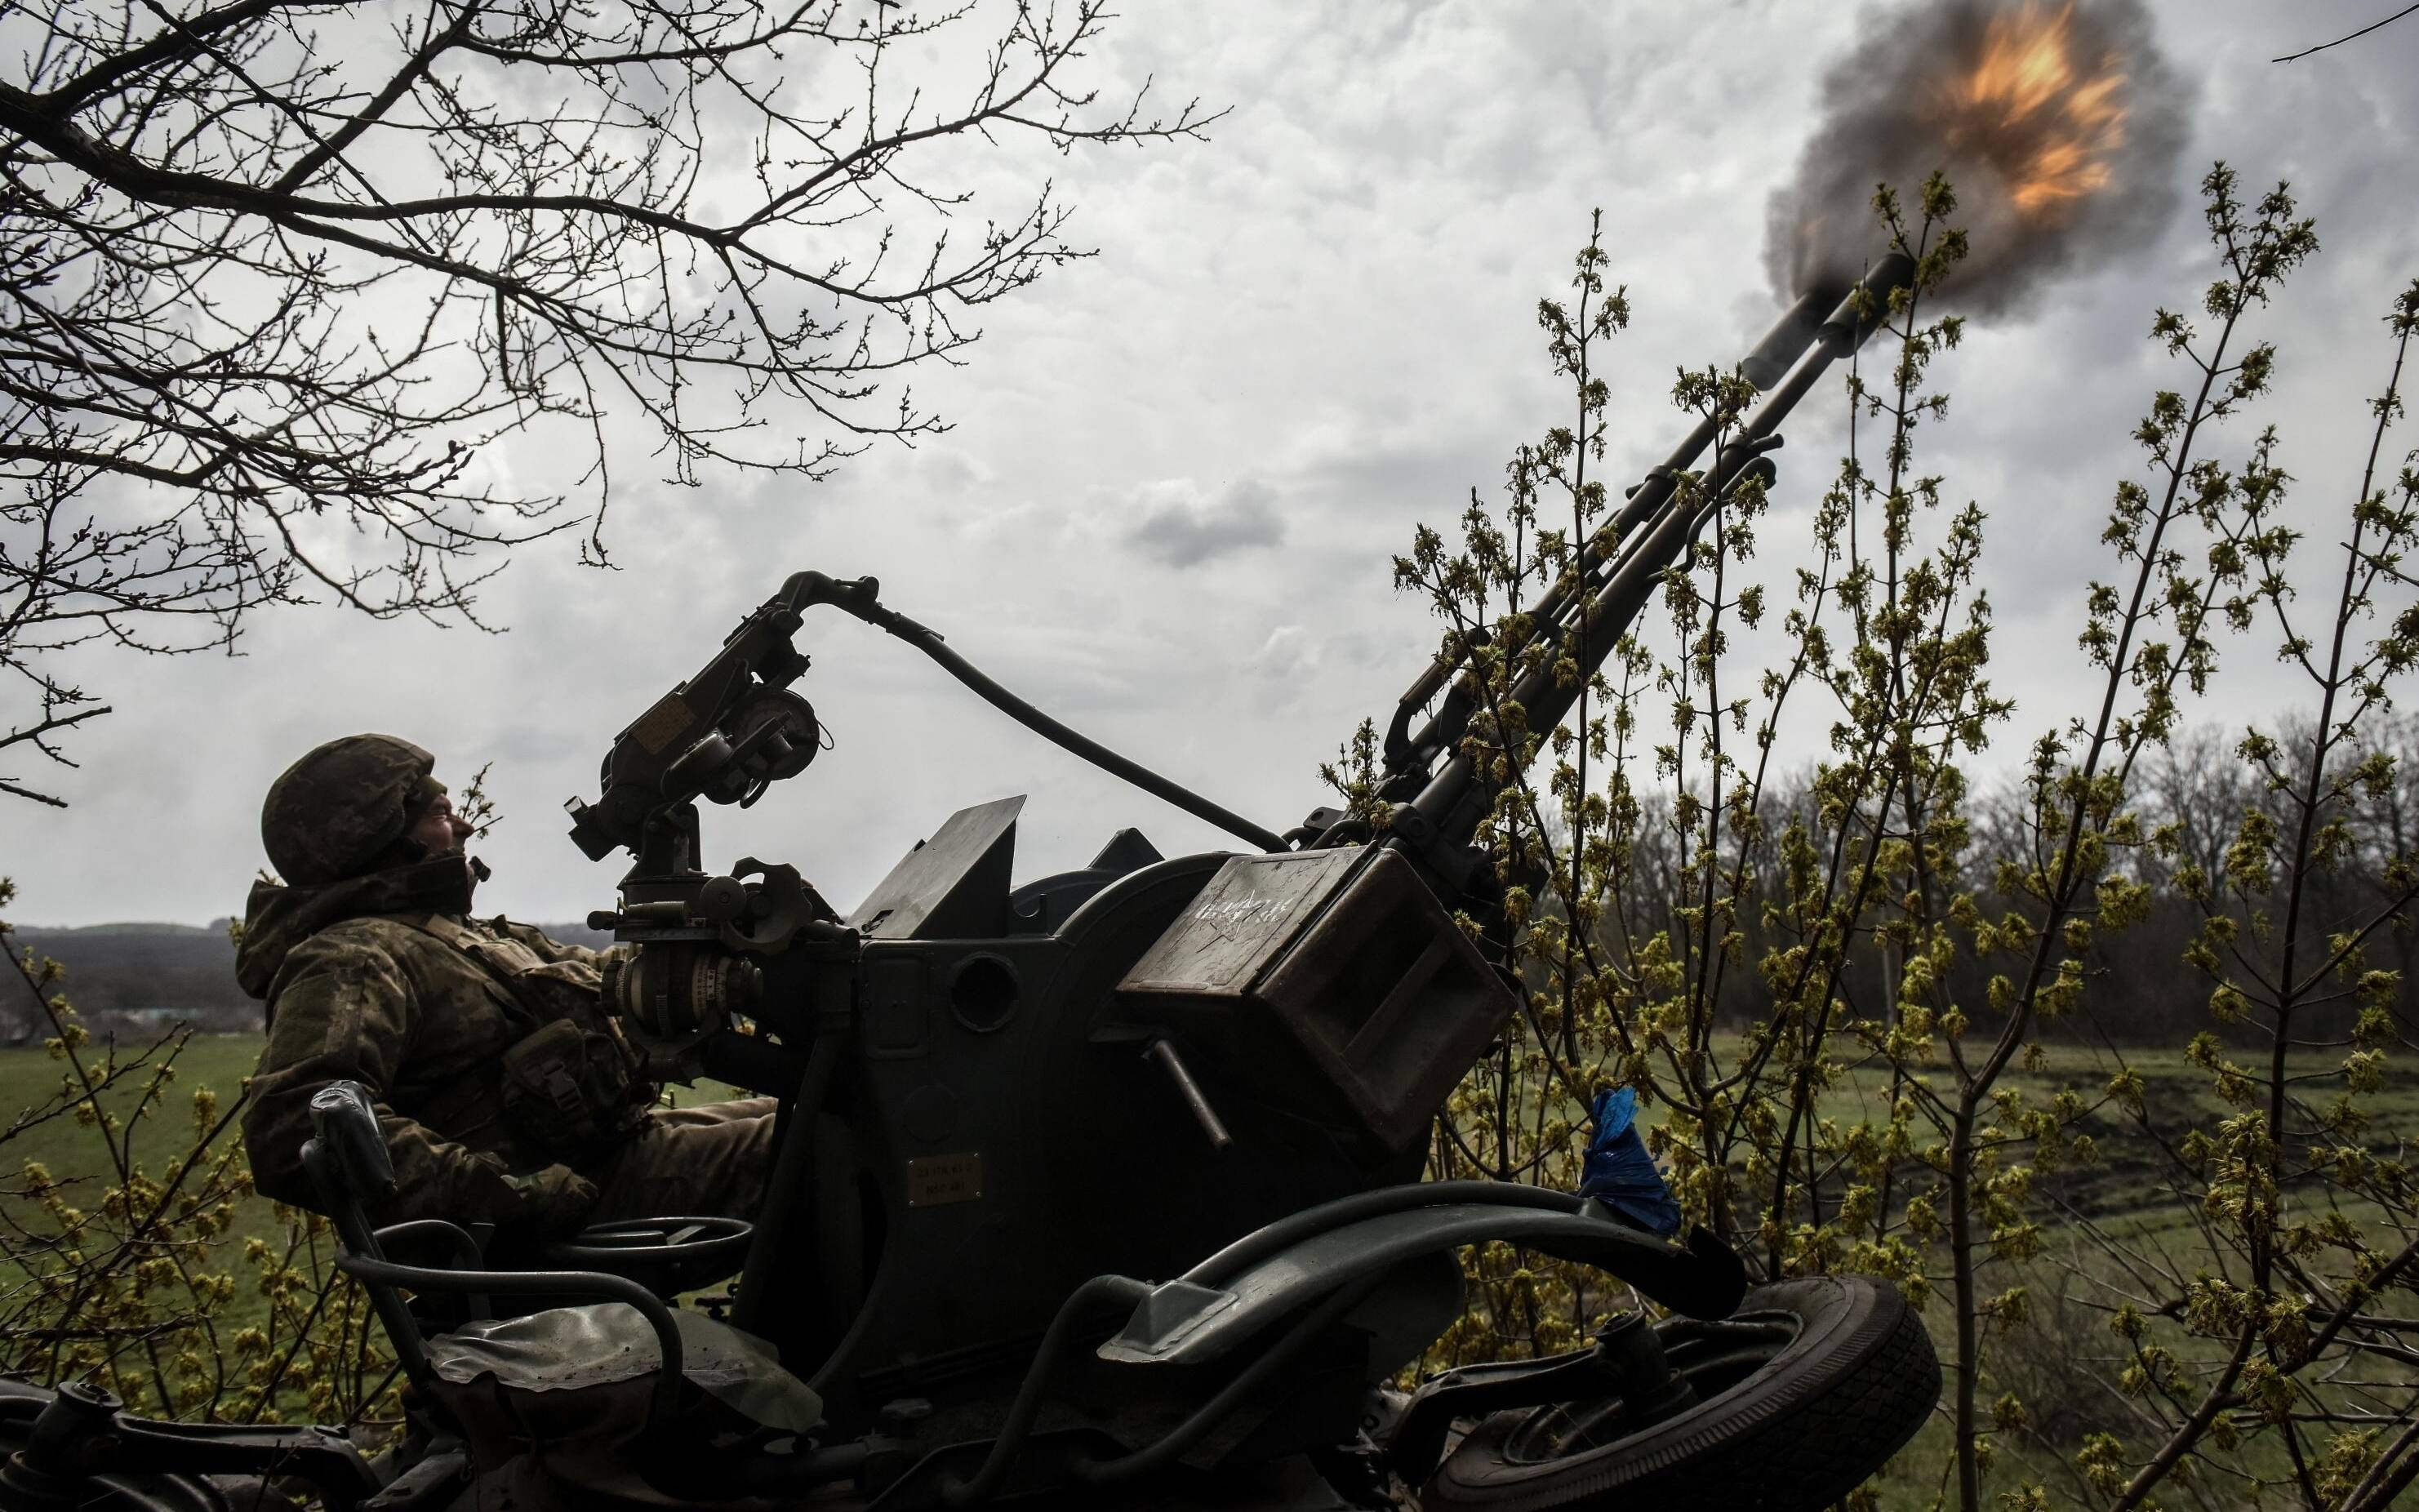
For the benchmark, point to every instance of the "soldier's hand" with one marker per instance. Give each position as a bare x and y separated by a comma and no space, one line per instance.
554,1200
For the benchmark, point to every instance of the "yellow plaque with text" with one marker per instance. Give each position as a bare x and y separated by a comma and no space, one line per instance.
933,1179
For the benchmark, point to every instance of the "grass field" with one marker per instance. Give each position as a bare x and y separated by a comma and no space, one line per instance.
73,1153
33,1132
2127,1186
2060,1364
30,1076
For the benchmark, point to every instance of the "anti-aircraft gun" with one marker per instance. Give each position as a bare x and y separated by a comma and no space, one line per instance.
1099,1190
1124,1068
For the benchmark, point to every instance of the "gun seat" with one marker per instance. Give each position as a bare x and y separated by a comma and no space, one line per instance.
565,1382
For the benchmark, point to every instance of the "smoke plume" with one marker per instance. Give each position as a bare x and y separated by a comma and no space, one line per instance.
2057,125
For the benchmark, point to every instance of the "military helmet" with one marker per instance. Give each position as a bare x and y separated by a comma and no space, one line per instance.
335,814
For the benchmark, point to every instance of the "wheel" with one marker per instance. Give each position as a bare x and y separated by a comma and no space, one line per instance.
1801,1393
667,1256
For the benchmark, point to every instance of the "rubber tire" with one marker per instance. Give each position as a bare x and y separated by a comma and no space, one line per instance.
1805,1429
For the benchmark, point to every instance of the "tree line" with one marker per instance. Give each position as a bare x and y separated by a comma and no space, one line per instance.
2194,789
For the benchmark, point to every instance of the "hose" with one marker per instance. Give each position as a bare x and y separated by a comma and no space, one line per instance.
857,597
1017,1424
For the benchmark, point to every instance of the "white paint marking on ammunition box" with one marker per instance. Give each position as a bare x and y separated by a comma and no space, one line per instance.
1243,910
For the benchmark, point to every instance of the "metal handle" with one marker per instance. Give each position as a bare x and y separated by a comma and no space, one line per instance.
1189,1089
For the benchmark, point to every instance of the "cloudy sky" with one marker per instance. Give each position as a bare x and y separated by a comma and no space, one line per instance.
1178,469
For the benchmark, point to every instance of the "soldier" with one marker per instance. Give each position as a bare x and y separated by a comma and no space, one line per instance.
506,1094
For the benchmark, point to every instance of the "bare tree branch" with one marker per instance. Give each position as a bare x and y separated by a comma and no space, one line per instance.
278,277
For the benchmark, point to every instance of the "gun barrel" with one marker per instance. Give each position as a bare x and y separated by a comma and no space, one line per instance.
1649,534
1788,339
1771,359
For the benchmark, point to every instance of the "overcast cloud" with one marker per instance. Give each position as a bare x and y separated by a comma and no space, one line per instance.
1176,526
1178,469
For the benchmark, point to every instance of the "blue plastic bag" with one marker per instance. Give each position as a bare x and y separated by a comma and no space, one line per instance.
1620,1173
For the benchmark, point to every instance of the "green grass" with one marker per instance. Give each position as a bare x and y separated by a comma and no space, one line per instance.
74,1152
2128,1195
2127,1189
30,1078
37,1128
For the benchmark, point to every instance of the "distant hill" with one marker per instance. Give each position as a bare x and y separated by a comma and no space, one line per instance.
115,972
138,975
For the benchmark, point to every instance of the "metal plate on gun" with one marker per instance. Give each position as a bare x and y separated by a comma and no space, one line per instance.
951,887
671,718
933,1179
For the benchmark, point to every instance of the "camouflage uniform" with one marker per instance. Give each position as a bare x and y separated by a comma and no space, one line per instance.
383,978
